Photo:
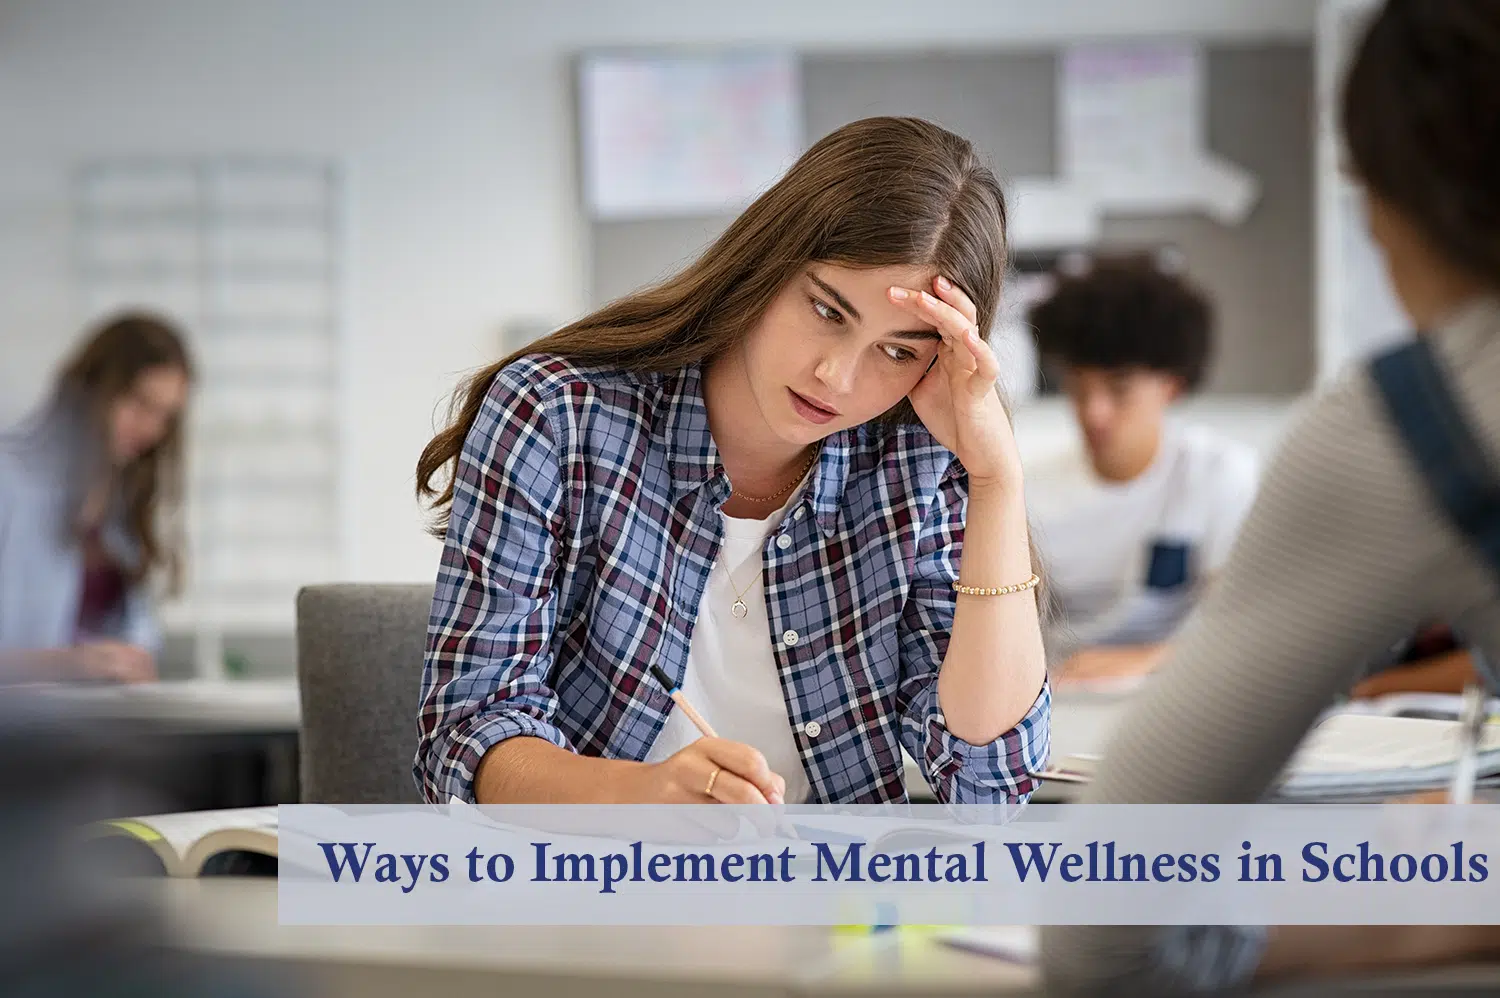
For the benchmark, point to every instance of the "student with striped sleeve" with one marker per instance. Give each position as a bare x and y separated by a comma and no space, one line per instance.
1352,544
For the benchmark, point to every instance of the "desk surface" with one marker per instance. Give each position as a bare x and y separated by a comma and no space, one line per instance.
237,918
272,705
1080,722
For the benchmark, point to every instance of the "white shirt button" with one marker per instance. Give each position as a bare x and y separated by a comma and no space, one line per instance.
783,542
797,515
789,638
812,729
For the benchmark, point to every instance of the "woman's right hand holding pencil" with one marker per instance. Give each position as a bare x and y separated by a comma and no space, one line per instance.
711,770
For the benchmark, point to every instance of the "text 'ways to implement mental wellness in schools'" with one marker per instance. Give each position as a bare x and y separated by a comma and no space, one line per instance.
1133,864
1100,862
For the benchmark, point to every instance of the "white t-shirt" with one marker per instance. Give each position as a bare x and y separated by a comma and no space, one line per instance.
731,676
1127,561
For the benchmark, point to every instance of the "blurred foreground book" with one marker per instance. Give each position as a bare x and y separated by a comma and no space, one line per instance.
231,842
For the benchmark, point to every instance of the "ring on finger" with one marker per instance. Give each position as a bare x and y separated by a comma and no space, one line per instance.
708,791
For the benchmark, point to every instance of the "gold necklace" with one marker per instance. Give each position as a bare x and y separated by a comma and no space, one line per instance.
791,485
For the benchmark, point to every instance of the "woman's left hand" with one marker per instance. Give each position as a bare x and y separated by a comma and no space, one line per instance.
957,398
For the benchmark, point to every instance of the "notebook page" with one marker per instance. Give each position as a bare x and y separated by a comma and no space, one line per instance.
1360,744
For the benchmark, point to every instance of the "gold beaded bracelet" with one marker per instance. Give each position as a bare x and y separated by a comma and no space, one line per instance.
1019,587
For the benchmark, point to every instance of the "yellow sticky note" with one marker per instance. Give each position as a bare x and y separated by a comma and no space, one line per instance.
905,930
140,831
853,930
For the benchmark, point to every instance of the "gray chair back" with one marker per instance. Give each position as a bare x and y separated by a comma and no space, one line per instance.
359,668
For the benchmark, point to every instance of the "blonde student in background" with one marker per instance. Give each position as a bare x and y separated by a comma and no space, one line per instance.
1134,519
1352,543
88,486
785,478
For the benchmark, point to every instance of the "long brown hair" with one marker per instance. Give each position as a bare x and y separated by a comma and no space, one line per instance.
1421,121
149,488
877,192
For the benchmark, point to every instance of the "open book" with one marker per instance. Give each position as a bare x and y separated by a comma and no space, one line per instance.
1355,755
198,843
1434,706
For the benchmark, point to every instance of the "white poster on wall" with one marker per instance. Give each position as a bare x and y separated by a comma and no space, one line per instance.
1130,109
679,135
1131,122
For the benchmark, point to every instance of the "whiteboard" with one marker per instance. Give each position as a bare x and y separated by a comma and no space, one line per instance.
672,135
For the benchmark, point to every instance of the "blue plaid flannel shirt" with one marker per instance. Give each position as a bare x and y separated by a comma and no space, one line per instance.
585,522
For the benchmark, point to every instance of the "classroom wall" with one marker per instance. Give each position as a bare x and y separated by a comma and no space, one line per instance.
1259,115
454,124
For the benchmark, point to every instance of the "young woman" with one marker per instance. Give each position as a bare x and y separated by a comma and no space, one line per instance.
764,476
1345,551
85,488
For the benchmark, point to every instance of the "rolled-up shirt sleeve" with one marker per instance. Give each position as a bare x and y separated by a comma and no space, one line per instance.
494,610
958,771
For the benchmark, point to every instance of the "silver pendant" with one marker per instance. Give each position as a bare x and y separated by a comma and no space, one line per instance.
739,609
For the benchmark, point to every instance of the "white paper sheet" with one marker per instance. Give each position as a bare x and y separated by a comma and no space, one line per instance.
1013,943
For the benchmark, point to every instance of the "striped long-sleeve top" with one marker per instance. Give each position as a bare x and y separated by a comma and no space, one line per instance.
1343,554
